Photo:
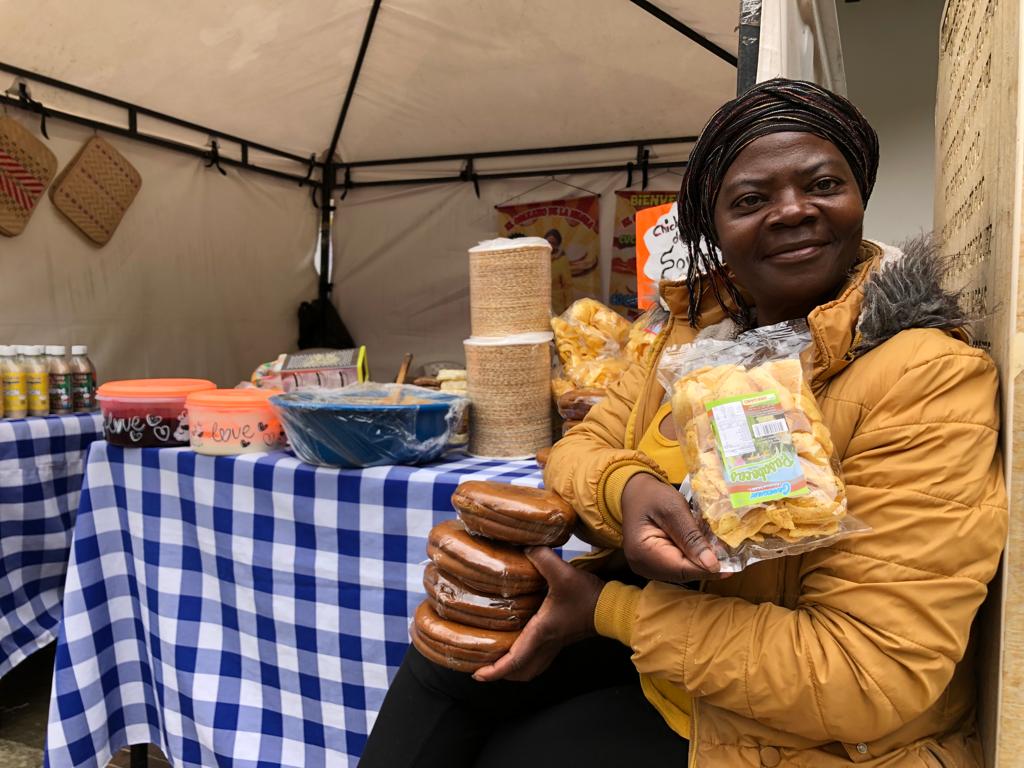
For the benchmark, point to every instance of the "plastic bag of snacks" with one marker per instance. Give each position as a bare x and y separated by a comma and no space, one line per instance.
596,345
589,338
761,463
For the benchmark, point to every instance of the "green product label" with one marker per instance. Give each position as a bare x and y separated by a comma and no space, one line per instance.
83,391
759,460
61,398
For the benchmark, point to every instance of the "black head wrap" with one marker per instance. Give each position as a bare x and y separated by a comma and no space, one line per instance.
774,106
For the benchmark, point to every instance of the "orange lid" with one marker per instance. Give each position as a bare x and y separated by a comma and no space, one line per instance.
249,397
143,389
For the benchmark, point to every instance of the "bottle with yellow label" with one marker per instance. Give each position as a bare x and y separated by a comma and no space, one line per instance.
15,391
37,378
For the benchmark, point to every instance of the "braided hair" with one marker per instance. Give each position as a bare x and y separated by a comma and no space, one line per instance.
773,106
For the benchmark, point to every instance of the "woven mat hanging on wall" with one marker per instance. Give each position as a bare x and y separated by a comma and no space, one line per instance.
26,169
95,190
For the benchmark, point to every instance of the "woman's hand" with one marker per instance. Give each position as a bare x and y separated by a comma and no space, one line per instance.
566,616
660,536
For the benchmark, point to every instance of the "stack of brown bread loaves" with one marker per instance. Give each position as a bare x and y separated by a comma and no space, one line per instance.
481,587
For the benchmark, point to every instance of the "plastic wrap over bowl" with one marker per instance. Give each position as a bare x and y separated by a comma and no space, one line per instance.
369,425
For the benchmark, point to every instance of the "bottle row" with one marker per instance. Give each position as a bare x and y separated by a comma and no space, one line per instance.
39,381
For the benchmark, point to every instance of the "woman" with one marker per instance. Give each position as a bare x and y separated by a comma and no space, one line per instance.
853,653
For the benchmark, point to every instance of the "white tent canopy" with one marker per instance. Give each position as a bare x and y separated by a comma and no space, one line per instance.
206,272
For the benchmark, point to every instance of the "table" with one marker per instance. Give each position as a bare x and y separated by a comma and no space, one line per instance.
243,611
41,463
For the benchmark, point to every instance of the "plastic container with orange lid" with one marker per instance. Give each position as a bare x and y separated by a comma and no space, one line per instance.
147,413
228,422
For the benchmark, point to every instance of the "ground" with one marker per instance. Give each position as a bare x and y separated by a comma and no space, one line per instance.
24,703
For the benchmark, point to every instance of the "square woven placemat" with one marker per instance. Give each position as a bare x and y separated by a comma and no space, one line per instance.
95,190
27,167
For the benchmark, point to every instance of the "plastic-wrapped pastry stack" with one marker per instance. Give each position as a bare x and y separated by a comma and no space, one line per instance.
508,357
481,587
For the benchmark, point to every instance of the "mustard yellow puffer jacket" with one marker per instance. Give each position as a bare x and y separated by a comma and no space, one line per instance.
858,652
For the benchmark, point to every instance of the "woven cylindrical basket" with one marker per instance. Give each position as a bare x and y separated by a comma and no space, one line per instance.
510,287
510,391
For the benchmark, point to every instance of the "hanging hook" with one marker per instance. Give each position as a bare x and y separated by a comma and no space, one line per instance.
468,174
309,171
213,157
643,156
35,106
346,183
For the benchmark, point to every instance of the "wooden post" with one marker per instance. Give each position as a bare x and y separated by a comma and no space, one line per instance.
978,216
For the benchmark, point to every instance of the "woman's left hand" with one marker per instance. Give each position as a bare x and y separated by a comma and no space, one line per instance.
566,616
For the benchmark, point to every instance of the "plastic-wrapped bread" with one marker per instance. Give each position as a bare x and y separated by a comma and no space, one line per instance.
490,567
455,601
454,645
513,513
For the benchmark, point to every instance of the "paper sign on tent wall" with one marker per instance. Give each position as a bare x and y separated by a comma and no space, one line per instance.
570,225
622,288
659,253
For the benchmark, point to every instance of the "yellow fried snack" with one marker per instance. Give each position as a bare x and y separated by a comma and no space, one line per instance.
589,338
776,476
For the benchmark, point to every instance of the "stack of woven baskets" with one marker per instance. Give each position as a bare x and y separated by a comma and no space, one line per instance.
508,357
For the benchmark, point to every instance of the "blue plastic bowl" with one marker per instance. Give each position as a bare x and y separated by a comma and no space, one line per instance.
339,428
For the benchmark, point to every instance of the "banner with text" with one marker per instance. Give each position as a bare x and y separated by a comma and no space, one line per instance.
570,225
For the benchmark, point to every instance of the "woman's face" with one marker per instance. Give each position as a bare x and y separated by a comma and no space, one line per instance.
789,220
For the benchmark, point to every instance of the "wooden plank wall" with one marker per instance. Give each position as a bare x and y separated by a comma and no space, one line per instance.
977,211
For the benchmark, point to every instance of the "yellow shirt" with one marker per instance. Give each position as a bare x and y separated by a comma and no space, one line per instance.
672,702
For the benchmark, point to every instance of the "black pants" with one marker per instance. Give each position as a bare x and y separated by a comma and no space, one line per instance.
586,709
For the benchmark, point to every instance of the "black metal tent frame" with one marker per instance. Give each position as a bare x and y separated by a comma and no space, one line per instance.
328,175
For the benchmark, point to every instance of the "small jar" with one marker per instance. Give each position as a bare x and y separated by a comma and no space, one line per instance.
61,400
37,379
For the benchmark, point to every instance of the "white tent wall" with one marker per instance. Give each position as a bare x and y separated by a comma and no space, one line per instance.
203,277
401,267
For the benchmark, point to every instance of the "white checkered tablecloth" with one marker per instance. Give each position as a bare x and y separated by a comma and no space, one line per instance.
242,611
41,463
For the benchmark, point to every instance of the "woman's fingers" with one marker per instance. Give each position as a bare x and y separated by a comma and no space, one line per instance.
551,566
683,529
527,658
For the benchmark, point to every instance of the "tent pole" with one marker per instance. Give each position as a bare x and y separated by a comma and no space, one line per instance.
566,149
327,183
685,30
749,43
620,168
132,132
134,110
370,21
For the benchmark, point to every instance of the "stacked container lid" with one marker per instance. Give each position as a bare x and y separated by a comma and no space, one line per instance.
508,357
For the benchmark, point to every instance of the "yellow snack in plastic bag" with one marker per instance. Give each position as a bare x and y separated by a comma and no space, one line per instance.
760,458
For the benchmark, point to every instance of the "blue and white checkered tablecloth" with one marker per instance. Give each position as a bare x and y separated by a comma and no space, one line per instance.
41,463
242,611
